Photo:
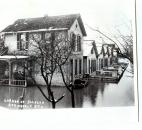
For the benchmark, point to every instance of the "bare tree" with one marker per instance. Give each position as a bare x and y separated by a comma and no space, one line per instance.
44,54
52,54
64,49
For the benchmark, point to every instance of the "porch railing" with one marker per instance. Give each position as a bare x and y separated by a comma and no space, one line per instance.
12,82
4,81
19,83
78,76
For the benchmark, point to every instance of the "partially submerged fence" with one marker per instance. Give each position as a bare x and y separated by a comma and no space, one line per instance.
12,82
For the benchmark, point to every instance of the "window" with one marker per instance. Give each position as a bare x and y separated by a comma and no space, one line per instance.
42,35
93,65
89,67
22,41
27,40
80,66
48,36
76,67
73,41
106,62
99,63
18,41
31,66
61,36
102,63
110,60
78,43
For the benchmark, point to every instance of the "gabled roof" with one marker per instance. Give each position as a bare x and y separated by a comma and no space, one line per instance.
107,49
46,22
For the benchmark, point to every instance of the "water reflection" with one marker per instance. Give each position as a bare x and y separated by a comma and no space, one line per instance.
96,94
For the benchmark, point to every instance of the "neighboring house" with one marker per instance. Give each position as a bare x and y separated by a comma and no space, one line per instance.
92,62
17,39
107,56
100,58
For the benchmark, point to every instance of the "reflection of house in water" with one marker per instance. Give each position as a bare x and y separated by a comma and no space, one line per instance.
92,91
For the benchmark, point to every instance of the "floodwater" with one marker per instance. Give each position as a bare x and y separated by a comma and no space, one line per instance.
94,95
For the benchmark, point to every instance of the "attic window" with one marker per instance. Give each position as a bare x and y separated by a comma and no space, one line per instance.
76,26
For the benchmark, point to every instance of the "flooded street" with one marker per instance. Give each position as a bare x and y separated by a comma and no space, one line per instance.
95,94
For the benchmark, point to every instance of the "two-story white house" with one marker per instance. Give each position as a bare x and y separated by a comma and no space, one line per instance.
17,46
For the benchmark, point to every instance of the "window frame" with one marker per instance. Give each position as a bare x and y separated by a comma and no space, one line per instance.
20,45
78,43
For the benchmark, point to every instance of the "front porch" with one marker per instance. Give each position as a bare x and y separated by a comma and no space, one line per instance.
12,71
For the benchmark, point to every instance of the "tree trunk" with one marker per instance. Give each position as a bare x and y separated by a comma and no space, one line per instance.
53,105
53,99
72,99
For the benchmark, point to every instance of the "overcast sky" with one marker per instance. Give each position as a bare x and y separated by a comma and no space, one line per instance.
102,14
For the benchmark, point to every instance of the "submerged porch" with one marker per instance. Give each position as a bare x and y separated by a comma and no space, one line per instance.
12,71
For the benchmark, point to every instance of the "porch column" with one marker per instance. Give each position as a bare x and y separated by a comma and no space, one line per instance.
10,69
77,66
25,72
73,68
90,69
82,68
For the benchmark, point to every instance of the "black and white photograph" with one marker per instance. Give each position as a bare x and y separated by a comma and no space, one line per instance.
67,54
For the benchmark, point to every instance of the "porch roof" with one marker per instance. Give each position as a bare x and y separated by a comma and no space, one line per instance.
8,57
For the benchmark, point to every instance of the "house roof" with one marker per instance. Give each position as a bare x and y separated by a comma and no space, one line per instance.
46,22
107,49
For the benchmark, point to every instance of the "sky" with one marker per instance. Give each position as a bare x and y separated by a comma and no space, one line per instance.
105,15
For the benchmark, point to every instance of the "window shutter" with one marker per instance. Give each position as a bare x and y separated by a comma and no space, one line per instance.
42,35
27,40
80,67
18,41
78,43
75,66
73,40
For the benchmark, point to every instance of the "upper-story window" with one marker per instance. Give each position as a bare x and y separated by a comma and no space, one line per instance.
73,41
22,41
76,42
42,35
48,37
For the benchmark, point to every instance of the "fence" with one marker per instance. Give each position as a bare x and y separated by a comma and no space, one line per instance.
12,82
